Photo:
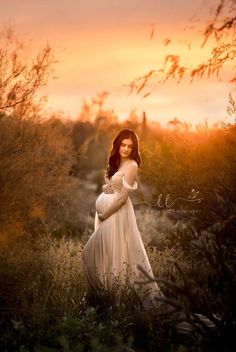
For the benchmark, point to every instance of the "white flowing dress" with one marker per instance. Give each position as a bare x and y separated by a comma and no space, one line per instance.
115,248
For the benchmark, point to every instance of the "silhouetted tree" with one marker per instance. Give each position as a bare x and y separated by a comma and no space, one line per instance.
221,29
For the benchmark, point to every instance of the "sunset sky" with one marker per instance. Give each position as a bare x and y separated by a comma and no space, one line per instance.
104,45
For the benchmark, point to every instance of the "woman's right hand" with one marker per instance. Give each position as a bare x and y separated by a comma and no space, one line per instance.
107,189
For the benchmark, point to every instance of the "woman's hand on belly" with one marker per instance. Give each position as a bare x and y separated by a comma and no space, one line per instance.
107,189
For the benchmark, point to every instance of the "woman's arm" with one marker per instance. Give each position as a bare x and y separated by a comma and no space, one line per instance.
130,176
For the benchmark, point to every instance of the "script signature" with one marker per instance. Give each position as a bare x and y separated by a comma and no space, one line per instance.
167,202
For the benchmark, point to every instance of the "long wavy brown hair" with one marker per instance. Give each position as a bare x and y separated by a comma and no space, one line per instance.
114,157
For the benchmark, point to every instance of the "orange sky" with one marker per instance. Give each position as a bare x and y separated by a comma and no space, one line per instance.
104,45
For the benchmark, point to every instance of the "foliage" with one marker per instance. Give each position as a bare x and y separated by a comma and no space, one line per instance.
36,159
44,304
221,30
36,154
201,285
203,161
42,278
20,78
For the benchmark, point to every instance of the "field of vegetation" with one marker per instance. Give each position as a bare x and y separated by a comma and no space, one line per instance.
51,171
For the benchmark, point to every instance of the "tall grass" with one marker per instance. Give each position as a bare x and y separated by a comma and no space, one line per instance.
41,278
44,297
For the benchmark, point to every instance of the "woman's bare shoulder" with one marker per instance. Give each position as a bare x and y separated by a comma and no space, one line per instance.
132,167
133,164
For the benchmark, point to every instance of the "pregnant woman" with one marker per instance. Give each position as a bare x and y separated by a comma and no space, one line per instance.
115,248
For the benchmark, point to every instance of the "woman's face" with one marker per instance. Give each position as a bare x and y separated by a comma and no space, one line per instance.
126,148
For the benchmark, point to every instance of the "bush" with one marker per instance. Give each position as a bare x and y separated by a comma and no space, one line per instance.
36,185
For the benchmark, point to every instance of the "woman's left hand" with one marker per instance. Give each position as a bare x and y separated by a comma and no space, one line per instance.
101,217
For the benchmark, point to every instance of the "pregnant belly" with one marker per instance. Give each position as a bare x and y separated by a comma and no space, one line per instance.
104,201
